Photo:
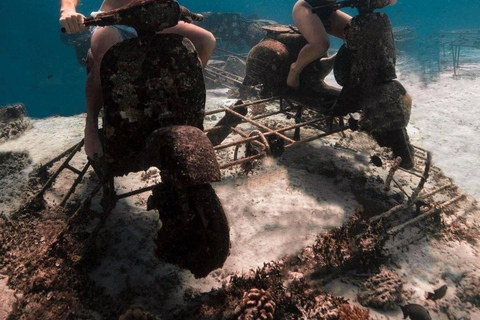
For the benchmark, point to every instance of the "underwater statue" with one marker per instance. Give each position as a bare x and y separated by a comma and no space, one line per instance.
154,105
269,61
364,67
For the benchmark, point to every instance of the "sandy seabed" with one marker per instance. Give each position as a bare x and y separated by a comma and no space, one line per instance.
275,213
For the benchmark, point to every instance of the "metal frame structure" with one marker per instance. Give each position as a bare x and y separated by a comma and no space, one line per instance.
256,134
458,39
254,131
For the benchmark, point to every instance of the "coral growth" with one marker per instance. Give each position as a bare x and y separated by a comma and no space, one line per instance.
270,292
354,245
13,129
382,290
257,304
353,313
137,313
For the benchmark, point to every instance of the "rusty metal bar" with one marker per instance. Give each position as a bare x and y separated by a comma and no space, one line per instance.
274,114
231,144
75,183
391,211
391,173
73,151
401,189
433,192
258,125
430,212
134,192
243,160
423,179
421,149
266,115
224,73
63,154
252,139
242,105
412,172
75,170
216,73
317,136
327,103
77,214
217,81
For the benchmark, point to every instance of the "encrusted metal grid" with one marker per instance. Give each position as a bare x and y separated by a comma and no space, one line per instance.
260,131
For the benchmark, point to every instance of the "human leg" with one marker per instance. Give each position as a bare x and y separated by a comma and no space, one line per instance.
102,39
337,22
203,40
312,28
335,25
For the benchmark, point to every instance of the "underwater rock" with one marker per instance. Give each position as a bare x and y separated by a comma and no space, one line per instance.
12,122
469,289
13,112
382,291
14,184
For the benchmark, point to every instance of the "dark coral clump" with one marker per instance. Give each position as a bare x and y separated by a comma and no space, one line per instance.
382,290
356,245
264,295
353,313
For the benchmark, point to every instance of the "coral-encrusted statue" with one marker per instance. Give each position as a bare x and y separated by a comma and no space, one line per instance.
268,64
365,67
154,104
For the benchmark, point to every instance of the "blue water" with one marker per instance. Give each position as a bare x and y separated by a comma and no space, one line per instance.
39,70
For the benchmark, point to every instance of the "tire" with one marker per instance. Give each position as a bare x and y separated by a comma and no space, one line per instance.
195,237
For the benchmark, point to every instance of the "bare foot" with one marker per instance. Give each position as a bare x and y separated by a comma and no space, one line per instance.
293,79
93,145
326,65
